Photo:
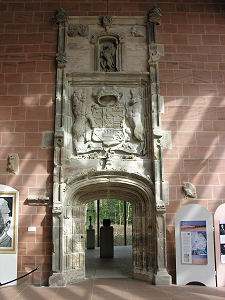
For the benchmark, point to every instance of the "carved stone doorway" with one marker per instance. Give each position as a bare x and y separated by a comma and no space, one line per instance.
108,138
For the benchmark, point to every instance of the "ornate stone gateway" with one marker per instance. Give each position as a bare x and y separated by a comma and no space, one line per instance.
108,138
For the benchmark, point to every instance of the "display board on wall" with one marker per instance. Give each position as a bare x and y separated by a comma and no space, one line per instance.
9,204
222,241
193,242
219,223
194,246
8,222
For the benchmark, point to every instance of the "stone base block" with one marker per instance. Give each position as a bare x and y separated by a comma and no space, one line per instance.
69,277
57,279
162,278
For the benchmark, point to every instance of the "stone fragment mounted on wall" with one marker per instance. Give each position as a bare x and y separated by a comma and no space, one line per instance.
13,163
189,190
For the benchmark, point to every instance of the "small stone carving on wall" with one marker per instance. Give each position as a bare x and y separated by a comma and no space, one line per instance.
77,29
13,163
189,190
106,22
134,115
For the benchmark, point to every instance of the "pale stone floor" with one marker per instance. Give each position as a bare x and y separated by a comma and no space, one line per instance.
115,284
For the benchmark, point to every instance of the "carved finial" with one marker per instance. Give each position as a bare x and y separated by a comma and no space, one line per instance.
60,16
189,190
106,22
154,15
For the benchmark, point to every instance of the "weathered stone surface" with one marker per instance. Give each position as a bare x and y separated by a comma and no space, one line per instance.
109,142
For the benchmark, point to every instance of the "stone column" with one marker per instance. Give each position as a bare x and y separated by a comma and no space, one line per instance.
58,278
160,141
161,276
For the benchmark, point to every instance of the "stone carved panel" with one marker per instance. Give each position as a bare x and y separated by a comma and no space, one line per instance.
104,124
77,29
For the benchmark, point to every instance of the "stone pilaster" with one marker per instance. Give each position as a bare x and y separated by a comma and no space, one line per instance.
159,141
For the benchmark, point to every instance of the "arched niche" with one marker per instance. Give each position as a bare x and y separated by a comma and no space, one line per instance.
109,47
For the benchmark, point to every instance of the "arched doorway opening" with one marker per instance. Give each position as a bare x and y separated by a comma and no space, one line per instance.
148,253
111,255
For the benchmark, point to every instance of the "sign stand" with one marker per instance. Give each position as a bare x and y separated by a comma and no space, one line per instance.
194,246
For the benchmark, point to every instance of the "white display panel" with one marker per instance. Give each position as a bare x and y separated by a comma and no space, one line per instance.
9,242
194,246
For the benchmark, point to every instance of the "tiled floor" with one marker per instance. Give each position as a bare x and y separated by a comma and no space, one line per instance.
111,280
112,289
120,266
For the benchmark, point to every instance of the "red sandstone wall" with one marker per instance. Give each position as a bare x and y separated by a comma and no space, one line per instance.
192,74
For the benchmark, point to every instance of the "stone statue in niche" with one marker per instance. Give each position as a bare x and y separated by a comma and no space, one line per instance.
134,115
13,163
108,56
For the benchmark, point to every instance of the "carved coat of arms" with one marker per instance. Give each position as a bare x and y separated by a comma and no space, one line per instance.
108,124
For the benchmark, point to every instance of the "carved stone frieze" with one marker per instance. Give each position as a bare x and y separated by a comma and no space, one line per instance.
77,29
13,163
